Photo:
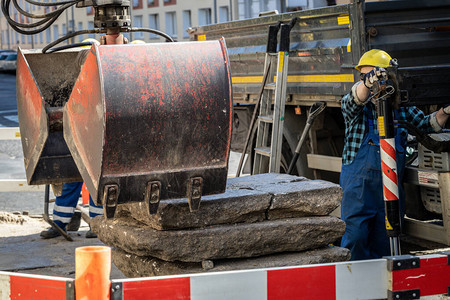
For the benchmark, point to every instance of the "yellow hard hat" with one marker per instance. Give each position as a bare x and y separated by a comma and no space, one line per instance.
137,42
92,41
375,58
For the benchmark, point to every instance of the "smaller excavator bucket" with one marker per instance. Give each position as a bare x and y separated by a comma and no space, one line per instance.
44,83
150,122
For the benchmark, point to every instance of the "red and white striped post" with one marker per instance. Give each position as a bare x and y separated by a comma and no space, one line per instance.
389,169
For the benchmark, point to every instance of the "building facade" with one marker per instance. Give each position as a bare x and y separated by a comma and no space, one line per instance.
170,16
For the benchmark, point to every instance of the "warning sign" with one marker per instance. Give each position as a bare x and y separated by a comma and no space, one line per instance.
427,177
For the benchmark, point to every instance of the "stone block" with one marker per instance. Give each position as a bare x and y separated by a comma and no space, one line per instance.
234,206
137,266
221,241
247,199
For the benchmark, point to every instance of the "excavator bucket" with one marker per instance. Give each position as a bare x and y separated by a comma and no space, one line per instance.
150,122
44,82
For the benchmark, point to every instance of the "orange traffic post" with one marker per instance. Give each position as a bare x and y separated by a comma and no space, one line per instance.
92,272
85,194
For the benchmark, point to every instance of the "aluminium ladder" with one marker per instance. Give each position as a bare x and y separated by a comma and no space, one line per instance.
271,122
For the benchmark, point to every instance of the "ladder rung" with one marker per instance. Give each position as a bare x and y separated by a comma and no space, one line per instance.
270,86
266,119
263,151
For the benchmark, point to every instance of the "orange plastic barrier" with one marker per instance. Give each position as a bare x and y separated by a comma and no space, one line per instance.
92,271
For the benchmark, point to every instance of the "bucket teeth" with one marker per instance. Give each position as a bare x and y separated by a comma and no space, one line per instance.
195,193
152,196
110,197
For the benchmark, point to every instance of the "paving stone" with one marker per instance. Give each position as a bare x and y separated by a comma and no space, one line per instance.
303,198
221,241
247,199
138,266
262,180
234,206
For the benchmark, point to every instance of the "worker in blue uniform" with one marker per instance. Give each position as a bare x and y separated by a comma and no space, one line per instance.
362,206
64,209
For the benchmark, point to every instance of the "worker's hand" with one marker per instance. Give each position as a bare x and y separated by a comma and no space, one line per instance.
447,110
376,74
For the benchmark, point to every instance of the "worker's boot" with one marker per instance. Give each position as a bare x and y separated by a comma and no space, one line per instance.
50,233
90,235
75,222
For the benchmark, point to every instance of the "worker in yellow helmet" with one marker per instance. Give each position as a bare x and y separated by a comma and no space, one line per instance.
137,42
92,41
362,206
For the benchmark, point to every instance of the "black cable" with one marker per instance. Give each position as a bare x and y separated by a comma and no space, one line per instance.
47,49
157,32
48,19
30,32
38,3
69,47
48,15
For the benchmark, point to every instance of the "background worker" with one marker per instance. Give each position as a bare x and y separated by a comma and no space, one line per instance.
362,206
64,209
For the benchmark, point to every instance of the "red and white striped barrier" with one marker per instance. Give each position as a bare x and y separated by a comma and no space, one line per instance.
27,286
370,279
398,277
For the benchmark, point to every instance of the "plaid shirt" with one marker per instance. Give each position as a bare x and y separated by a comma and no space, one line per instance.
356,120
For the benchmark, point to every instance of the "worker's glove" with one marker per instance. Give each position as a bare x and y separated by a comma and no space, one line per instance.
377,74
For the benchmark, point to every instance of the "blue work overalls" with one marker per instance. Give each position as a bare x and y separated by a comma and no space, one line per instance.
65,204
362,206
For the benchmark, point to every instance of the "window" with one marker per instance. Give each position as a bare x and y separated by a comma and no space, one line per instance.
41,37
223,14
186,22
89,10
153,23
64,29
91,26
170,2
171,24
17,38
152,3
48,35
137,4
81,36
22,38
29,39
55,32
3,37
204,16
71,26
137,22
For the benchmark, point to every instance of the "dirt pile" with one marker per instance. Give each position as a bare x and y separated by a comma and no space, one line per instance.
9,218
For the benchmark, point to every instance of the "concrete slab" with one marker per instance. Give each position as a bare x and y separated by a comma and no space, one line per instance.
136,266
221,241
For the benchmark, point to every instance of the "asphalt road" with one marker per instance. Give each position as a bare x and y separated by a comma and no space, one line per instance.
8,104
11,156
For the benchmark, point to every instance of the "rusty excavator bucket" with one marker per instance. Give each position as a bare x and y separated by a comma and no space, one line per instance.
44,82
150,122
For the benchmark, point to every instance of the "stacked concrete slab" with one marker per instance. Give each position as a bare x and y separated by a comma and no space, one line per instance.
265,220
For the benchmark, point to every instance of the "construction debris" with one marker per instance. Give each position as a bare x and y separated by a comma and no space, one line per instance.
6,217
261,221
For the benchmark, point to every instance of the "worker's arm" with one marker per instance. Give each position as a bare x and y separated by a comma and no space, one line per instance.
431,123
442,116
351,106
